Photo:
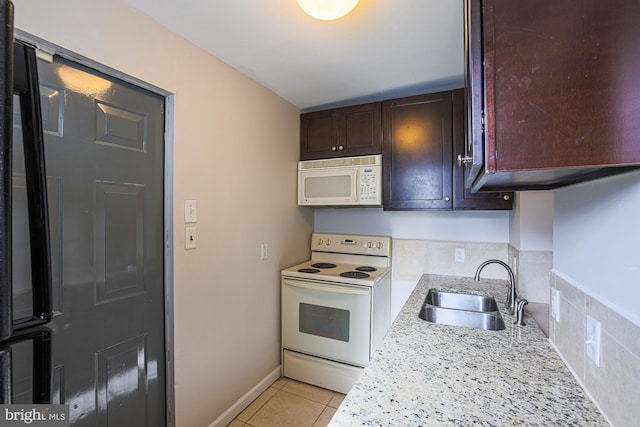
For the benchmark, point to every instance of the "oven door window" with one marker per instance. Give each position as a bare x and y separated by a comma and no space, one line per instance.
325,322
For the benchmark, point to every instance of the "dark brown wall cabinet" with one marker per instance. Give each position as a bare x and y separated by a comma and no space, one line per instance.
341,132
463,198
419,135
557,83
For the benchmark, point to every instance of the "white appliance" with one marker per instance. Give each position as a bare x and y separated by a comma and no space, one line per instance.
335,309
345,181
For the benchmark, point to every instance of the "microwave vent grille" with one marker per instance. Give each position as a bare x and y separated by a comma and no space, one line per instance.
340,162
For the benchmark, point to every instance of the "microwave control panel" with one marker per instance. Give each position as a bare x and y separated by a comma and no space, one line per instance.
370,180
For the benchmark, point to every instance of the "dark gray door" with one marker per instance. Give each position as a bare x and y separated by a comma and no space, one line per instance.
105,165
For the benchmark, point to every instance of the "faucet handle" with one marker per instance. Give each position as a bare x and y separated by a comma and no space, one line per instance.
520,312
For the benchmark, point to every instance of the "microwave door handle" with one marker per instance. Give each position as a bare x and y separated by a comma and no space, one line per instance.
356,184
36,178
6,129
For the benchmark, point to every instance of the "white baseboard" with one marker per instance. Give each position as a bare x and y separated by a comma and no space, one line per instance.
239,406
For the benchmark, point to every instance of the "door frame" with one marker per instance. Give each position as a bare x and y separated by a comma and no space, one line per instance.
44,49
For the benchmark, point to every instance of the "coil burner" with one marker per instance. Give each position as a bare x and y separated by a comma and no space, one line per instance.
323,265
354,275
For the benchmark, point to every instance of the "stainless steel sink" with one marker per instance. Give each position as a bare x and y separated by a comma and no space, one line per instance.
461,301
461,309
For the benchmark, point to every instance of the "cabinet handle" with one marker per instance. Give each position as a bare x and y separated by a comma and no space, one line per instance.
341,148
506,197
464,160
446,199
333,148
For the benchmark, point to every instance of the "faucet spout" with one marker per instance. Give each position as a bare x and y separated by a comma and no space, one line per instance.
512,296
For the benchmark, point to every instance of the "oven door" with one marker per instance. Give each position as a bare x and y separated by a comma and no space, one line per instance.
327,320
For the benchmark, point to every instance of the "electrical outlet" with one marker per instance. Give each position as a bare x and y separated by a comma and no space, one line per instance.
190,240
593,340
459,254
264,251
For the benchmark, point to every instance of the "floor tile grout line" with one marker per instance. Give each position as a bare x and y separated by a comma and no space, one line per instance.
261,406
281,388
304,397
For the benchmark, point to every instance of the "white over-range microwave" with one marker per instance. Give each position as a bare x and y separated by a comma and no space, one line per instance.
345,181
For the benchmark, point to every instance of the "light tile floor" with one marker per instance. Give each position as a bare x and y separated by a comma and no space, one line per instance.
290,403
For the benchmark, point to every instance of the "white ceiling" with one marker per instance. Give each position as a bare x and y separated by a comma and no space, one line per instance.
382,49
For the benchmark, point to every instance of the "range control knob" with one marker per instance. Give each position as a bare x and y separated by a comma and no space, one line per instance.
320,242
328,242
369,245
379,245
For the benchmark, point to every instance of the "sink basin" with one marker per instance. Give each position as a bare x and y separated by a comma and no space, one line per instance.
461,309
461,301
491,321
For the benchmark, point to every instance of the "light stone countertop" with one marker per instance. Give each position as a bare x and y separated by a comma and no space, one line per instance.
427,374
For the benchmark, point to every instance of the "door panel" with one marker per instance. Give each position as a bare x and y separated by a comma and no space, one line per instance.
105,165
119,241
121,384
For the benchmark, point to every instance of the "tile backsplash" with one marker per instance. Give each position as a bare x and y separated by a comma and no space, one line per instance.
412,258
533,269
614,384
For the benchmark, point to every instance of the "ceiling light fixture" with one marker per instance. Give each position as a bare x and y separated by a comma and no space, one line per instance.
327,9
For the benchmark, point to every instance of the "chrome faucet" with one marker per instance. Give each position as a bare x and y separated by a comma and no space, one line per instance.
520,312
512,296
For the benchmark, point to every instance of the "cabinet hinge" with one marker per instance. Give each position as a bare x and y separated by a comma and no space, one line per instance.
45,53
482,121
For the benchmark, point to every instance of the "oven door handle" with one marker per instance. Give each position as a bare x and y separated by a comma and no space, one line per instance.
333,289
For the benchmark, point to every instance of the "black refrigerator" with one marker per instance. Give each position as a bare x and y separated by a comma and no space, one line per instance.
23,329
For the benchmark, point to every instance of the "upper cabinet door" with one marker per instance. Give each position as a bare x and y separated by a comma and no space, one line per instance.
341,132
417,157
360,129
473,155
318,135
463,198
561,91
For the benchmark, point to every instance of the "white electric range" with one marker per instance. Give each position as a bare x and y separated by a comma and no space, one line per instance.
335,309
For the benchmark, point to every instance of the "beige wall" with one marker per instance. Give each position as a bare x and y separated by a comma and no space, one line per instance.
235,150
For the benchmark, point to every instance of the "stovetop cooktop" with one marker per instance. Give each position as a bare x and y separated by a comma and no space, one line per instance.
357,274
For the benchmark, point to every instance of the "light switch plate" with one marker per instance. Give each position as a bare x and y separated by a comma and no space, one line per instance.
190,239
190,211
459,254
